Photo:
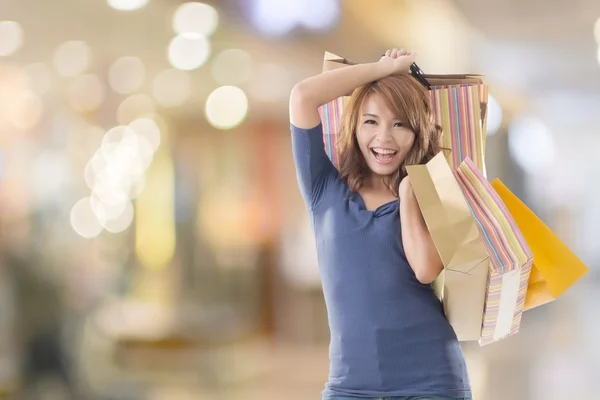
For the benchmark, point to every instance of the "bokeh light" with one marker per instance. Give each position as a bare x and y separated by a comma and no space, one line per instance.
270,83
83,219
133,107
531,145
320,15
11,37
226,107
494,116
25,110
38,75
188,51
126,75
148,129
116,172
171,88
232,67
194,17
86,93
127,5
126,151
72,58
51,173
273,17
116,222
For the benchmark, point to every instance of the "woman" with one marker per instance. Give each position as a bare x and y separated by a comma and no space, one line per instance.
389,336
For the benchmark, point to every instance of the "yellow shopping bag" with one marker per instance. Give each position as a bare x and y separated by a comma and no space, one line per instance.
555,267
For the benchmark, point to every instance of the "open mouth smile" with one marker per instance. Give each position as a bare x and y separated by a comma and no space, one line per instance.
384,156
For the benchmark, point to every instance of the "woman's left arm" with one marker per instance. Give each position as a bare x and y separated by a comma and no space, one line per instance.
420,251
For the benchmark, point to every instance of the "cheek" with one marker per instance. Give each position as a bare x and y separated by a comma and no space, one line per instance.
405,140
363,137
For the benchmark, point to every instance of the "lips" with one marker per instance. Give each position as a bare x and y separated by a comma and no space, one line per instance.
383,155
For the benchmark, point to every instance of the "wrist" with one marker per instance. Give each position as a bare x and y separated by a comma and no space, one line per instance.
383,69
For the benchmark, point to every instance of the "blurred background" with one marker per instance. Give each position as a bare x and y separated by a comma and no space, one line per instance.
154,244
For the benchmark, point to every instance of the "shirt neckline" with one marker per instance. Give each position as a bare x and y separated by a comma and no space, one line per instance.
383,209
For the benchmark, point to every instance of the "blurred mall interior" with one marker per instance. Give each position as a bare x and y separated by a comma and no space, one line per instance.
154,244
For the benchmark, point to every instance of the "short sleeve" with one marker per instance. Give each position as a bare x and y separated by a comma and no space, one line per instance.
314,169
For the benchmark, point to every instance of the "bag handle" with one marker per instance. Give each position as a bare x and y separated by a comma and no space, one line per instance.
417,73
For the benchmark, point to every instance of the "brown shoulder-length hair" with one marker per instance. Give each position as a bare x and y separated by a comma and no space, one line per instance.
411,103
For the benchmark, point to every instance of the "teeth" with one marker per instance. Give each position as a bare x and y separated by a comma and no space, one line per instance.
384,151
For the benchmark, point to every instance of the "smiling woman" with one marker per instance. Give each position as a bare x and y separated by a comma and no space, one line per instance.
390,125
389,335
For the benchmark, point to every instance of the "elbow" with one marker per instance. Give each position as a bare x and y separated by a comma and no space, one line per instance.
304,110
427,271
426,276
299,94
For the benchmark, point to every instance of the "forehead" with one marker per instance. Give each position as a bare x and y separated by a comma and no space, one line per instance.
374,103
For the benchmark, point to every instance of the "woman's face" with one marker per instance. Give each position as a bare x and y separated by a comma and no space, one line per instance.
382,139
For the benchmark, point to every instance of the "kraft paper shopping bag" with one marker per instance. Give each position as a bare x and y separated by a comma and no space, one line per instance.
455,233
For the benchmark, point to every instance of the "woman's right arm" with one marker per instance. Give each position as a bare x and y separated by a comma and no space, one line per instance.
308,95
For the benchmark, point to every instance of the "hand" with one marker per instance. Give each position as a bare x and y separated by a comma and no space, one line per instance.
397,61
405,190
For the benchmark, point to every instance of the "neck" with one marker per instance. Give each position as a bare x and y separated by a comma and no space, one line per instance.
376,183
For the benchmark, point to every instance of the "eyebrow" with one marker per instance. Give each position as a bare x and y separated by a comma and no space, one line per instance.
377,116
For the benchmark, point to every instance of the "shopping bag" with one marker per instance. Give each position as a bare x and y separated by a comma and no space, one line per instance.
457,109
510,256
331,118
459,106
555,267
455,234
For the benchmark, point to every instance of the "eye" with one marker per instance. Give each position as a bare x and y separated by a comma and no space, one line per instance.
398,125
370,121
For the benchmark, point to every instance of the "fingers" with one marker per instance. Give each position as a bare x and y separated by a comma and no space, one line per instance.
395,53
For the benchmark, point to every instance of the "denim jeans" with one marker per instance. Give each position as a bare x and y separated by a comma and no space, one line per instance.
425,397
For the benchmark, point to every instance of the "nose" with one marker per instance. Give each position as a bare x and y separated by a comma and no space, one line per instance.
384,133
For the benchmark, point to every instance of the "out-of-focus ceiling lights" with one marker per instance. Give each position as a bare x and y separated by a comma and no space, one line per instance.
531,145
126,75
86,93
195,17
232,67
127,5
494,120
275,17
171,88
226,107
11,37
72,58
193,24
116,175
188,51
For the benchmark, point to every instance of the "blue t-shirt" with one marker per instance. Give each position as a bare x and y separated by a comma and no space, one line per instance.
389,335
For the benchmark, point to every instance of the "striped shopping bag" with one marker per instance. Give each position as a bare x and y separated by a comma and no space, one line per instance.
510,258
458,110
331,118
